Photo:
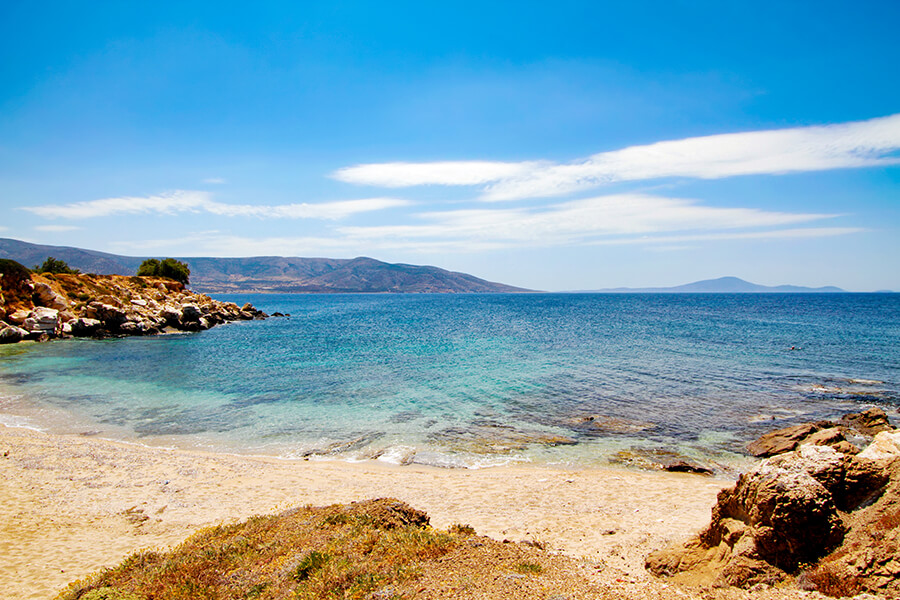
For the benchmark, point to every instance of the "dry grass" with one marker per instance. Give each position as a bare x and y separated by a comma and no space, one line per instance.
341,551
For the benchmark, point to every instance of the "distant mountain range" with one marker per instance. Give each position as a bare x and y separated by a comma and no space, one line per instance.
724,285
270,273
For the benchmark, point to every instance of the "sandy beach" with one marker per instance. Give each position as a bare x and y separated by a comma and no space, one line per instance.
70,505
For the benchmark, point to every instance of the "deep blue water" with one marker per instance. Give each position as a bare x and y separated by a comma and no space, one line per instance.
475,379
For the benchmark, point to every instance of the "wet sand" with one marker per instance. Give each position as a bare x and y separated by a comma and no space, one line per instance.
70,505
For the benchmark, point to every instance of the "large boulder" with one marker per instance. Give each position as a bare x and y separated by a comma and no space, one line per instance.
83,327
190,313
45,296
784,440
834,437
885,446
109,315
42,320
10,334
18,317
785,512
869,422
171,315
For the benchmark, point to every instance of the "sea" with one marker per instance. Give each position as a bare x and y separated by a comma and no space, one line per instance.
475,380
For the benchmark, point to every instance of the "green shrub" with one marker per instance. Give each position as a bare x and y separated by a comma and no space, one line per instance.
12,269
52,265
168,268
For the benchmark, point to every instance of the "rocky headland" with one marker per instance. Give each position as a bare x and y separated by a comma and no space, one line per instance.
821,511
43,307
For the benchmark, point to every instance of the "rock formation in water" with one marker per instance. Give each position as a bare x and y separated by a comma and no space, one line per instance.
856,426
828,518
40,307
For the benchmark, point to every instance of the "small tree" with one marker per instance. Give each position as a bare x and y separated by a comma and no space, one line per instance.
168,268
52,265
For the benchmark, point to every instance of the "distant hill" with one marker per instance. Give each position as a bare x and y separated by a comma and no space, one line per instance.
724,285
271,273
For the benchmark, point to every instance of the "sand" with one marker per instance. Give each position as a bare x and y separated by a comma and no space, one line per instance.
70,505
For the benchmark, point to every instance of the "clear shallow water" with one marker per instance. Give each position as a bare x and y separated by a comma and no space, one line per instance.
470,380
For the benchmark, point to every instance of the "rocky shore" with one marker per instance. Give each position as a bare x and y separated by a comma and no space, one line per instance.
818,512
43,307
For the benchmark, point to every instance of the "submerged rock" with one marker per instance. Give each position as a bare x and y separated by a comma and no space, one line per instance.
661,459
607,424
683,466
488,437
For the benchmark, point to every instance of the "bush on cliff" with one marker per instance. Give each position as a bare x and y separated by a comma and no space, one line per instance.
15,290
53,265
168,267
13,271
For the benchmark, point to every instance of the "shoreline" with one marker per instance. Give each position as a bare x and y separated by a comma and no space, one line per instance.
70,505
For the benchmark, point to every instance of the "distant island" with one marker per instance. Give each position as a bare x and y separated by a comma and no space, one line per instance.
272,273
722,285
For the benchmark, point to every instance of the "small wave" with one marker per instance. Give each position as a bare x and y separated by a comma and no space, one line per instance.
19,422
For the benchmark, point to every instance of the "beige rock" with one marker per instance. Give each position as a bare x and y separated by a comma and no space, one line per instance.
885,445
18,317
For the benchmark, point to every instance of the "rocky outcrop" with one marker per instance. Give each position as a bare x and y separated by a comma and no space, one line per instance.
814,513
784,440
862,426
54,306
886,445
869,422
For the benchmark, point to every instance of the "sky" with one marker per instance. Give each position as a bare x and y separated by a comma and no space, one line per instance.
549,145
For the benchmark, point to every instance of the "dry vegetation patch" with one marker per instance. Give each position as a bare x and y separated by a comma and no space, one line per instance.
373,549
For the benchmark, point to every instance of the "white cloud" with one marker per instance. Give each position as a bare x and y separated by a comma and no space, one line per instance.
324,210
404,174
615,216
625,219
56,228
776,234
169,203
186,201
802,149
215,243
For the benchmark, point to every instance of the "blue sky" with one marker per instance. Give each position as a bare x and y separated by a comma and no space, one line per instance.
551,145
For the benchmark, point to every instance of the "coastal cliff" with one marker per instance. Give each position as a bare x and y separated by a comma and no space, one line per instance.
42,307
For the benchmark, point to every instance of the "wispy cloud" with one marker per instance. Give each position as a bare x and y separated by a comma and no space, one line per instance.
215,180
216,243
56,228
802,149
775,234
406,174
187,201
624,219
610,218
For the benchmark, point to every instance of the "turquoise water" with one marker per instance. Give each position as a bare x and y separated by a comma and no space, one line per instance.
472,380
